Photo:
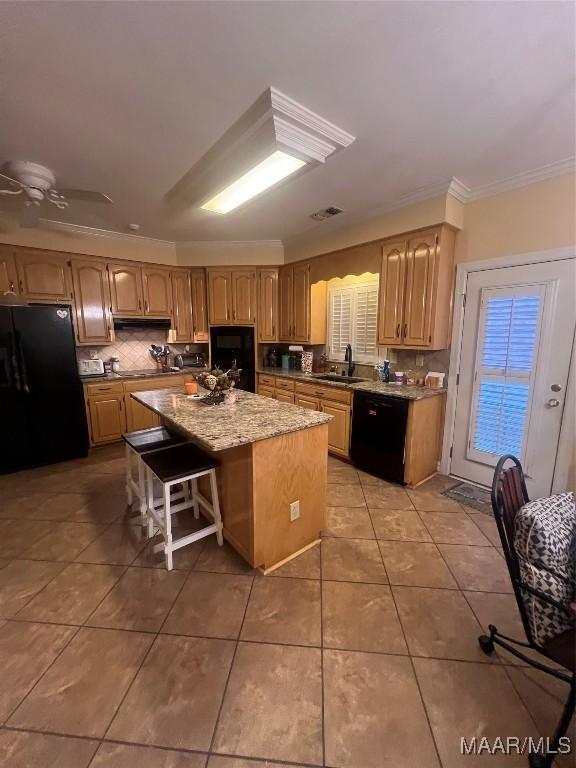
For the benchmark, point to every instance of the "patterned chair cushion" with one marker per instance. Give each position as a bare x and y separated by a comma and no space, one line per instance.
545,543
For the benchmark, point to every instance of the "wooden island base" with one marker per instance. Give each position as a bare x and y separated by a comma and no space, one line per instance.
258,481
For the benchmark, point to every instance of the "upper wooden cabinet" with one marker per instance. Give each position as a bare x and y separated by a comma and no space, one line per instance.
126,289
415,300
267,305
199,305
391,296
244,296
182,306
157,291
8,276
44,276
301,312
285,302
232,297
302,306
92,301
421,280
219,296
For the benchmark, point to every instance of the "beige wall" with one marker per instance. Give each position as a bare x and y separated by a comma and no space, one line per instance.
538,217
422,214
224,254
134,249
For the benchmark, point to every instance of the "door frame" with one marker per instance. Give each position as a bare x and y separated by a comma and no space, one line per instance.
562,468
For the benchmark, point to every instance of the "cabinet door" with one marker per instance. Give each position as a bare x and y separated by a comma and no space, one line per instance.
182,306
107,418
219,297
8,277
284,397
43,276
301,318
420,268
338,428
126,290
199,308
391,295
268,305
266,392
92,300
138,416
243,296
304,401
285,302
157,288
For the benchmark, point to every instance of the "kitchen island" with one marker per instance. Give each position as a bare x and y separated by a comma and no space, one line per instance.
272,454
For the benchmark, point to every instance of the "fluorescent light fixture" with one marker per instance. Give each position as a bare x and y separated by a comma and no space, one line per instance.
270,171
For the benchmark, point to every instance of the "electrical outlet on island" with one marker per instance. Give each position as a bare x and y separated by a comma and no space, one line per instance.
294,511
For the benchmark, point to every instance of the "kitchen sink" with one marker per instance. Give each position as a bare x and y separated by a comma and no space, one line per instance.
341,379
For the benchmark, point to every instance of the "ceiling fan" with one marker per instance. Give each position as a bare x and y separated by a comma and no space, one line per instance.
36,183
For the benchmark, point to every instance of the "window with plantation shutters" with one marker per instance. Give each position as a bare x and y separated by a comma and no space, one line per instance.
507,349
352,319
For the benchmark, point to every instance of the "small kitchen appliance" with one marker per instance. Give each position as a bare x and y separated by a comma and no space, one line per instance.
91,367
190,360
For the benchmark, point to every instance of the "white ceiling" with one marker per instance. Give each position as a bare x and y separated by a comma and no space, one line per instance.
124,97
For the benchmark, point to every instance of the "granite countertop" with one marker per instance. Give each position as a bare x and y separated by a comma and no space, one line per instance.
405,391
140,374
218,427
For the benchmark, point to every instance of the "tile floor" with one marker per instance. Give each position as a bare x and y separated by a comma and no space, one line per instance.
358,654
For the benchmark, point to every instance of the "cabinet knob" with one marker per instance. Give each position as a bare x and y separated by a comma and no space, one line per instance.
405,330
398,330
11,286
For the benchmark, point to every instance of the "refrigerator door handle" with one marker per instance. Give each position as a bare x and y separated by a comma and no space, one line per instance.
11,363
24,374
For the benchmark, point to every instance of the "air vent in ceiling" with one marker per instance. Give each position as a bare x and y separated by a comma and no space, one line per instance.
326,213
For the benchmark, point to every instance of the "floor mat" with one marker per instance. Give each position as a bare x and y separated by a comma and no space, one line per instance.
471,496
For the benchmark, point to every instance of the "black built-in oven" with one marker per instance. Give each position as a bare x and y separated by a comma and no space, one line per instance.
234,345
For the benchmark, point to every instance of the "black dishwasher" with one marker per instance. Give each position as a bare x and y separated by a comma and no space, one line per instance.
378,435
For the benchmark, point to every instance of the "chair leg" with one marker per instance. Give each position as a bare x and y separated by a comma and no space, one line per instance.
194,484
150,502
216,506
545,761
168,527
142,487
129,496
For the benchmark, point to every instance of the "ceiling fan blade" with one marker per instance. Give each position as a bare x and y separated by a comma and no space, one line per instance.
10,180
84,195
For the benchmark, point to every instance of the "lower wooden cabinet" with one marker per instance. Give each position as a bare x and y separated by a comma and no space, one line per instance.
338,428
333,401
112,410
284,397
107,418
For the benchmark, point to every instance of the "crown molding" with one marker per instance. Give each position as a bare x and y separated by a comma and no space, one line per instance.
78,229
51,225
524,179
301,141
298,113
231,244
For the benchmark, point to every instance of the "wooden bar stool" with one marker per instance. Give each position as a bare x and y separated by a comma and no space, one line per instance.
182,464
137,444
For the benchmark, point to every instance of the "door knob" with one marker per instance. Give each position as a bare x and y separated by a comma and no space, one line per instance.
553,403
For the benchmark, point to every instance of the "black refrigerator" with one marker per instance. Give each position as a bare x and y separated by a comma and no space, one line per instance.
42,414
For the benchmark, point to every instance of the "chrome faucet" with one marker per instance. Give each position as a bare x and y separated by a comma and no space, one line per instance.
348,359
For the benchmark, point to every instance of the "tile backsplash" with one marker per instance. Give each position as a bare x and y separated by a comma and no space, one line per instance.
132,348
400,359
